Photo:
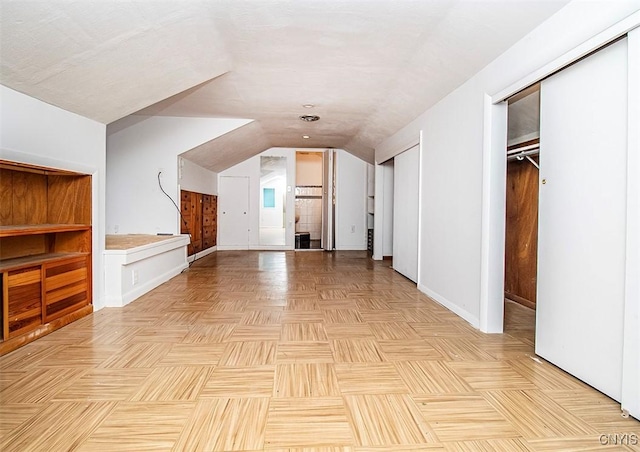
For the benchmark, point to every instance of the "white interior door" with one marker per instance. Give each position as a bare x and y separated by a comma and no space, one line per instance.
327,200
405,212
581,254
233,212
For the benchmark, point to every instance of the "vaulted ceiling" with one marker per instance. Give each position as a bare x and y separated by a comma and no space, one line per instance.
368,67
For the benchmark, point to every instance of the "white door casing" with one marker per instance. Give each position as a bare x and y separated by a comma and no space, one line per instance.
327,199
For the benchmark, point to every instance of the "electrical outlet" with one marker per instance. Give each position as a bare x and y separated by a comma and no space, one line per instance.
116,228
353,228
134,277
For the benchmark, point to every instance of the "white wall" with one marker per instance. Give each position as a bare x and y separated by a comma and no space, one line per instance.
34,132
452,178
131,273
351,202
135,155
351,198
251,168
193,177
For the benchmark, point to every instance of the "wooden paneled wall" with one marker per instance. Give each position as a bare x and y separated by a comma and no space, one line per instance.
23,198
68,198
521,241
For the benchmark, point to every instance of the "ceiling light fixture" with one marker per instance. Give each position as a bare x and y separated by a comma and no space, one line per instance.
309,118
306,137
308,105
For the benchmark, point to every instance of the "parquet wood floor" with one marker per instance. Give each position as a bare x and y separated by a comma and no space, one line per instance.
299,352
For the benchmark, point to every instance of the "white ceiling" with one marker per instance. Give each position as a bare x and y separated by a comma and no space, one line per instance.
368,66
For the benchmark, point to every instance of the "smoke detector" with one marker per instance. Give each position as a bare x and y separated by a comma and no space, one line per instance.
309,118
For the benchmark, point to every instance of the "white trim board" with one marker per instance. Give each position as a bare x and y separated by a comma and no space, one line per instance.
154,264
201,254
493,216
466,315
590,45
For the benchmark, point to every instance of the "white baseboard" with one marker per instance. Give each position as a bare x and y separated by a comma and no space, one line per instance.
232,247
130,273
351,248
271,248
255,248
142,289
152,284
201,254
466,315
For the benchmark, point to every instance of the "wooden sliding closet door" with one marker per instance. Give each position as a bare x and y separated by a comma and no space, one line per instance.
581,260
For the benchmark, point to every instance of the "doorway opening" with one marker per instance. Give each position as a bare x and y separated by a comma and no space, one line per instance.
273,185
308,200
521,222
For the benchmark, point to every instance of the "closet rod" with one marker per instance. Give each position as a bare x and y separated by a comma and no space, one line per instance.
522,154
531,147
525,155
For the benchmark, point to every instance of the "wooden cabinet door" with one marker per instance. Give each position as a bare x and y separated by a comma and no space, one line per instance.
209,210
191,221
214,226
66,286
196,231
23,289
199,218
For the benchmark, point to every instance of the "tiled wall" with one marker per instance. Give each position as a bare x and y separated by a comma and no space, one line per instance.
309,210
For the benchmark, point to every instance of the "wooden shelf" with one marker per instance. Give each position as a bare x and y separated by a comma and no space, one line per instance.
36,259
33,229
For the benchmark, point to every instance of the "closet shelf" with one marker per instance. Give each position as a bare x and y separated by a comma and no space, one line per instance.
33,229
35,259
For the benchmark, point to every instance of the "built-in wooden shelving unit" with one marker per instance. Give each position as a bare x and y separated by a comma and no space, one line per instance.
45,251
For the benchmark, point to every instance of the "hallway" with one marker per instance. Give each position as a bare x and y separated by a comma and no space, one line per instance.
286,351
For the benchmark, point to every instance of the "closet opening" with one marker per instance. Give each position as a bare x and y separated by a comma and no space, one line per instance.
521,222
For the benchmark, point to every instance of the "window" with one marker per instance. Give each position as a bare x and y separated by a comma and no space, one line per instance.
268,197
